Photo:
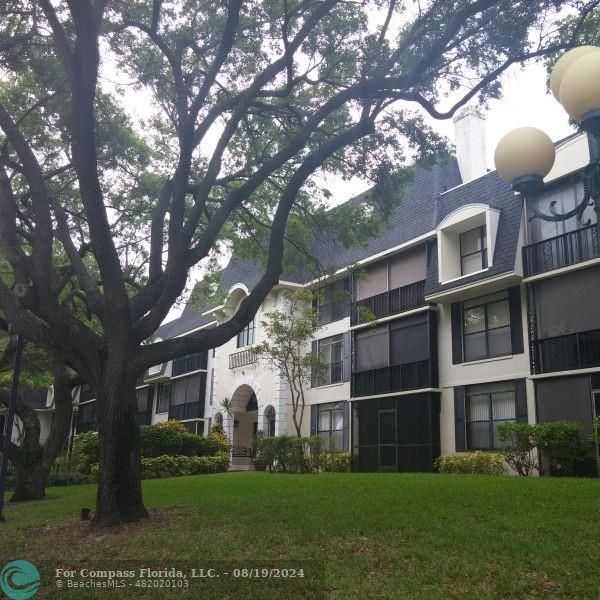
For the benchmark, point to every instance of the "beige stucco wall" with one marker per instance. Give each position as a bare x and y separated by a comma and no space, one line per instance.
471,373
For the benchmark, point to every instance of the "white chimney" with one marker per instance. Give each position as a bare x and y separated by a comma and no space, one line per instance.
469,138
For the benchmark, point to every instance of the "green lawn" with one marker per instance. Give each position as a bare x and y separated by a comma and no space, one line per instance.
355,535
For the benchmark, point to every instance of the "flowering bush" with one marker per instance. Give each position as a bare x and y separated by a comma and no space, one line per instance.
519,447
172,424
471,463
558,442
335,462
217,435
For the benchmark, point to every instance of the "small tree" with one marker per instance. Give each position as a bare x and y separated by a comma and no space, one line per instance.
289,332
519,447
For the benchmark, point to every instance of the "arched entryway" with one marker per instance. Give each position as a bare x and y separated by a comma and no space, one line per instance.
243,425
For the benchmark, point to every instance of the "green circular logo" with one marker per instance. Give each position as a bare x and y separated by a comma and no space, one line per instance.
20,580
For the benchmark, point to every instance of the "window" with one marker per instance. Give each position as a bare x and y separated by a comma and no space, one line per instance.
486,326
333,302
186,390
486,407
400,342
143,394
331,352
270,421
164,397
86,417
187,397
473,250
247,335
86,394
189,363
330,425
371,348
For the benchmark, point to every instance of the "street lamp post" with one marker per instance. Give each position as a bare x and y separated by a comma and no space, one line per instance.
526,155
11,414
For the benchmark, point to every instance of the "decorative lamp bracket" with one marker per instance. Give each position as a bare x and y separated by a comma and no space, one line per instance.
591,190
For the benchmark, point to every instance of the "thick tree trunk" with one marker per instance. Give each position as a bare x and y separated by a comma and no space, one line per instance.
30,482
33,461
119,498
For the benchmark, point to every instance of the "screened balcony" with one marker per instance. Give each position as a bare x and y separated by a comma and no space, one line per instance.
190,410
566,352
561,251
389,303
397,378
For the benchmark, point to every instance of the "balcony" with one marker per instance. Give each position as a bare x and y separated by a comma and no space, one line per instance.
389,303
248,356
397,378
181,412
566,352
561,251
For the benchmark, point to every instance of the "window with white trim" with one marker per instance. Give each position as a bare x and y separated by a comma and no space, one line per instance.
473,250
330,425
486,327
246,337
331,352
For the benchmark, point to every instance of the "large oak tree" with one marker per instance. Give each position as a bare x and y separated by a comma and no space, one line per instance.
101,220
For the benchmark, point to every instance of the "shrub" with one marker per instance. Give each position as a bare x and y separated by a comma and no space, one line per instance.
161,441
265,451
471,463
85,452
335,462
176,466
218,436
290,454
197,445
171,424
560,446
59,479
518,446
158,441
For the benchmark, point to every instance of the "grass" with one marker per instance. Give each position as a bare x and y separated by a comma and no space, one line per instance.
356,535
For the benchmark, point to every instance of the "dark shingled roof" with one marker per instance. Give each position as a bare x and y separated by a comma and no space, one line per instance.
415,215
433,194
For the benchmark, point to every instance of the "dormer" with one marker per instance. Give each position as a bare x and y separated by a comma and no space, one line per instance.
466,241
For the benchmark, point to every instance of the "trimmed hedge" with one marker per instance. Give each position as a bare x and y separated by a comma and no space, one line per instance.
336,462
160,467
155,440
471,463
160,441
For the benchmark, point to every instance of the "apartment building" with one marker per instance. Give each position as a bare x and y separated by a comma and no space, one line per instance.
483,314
